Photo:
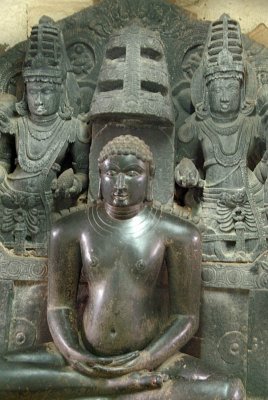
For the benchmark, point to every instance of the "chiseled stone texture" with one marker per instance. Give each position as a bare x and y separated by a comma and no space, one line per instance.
18,16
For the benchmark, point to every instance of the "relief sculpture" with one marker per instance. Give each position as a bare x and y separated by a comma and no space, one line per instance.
133,208
44,132
227,130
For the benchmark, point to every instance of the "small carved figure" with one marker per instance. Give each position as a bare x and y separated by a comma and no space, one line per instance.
125,332
45,132
227,130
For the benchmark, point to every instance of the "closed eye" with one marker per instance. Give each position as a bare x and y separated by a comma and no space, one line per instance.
133,173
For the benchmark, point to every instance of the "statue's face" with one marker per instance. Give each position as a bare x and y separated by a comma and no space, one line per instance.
43,98
124,180
224,96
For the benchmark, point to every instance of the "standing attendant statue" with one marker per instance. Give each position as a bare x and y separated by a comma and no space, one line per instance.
46,136
225,131
126,344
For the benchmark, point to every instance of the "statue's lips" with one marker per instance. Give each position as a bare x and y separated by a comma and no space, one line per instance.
224,106
40,109
120,195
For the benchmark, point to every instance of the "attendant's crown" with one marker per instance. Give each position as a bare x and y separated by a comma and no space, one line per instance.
45,55
224,49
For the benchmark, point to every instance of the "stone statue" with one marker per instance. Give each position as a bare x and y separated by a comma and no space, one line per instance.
225,132
45,133
126,340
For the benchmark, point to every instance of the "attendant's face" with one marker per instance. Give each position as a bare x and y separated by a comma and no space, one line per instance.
224,96
124,180
43,98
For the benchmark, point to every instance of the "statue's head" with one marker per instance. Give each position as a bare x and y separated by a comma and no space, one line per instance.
43,98
126,172
44,71
224,69
224,96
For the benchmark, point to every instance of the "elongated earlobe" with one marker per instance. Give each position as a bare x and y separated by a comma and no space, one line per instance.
99,190
149,194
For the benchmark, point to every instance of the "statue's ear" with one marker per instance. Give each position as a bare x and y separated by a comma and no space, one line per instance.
99,190
149,192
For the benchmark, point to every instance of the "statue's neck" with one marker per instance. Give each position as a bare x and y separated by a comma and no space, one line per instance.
122,213
41,120
224,119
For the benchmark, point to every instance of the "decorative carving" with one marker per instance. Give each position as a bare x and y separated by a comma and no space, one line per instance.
44,132
232,347
236,276
223,126
227,187
114,345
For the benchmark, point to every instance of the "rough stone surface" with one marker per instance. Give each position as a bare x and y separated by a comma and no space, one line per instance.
13,30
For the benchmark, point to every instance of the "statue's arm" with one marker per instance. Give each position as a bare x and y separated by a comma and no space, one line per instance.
183,260
80,155
186,171
64,272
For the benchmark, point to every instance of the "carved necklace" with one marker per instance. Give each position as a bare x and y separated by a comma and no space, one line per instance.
43,132
31,163
228,130
212,131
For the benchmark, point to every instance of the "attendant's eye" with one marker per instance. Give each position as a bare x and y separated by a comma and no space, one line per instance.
47,91
132,173
110,172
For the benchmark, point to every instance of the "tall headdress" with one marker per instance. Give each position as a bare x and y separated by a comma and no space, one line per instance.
133,79
223,56
45,57
224,50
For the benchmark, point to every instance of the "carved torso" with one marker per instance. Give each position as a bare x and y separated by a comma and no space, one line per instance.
226,150
40,152
122,280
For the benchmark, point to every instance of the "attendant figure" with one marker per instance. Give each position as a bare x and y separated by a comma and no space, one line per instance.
47,137
225,132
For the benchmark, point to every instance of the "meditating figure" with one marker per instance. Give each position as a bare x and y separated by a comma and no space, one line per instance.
128,339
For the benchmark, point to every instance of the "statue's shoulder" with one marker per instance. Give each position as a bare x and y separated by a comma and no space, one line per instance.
67,215
176,220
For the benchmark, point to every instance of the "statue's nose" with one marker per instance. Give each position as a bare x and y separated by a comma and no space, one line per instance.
120,181
38,99
224,96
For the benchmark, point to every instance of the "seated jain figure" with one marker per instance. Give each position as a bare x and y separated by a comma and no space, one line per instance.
124,344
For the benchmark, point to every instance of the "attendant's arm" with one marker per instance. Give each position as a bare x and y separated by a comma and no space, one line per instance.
80,155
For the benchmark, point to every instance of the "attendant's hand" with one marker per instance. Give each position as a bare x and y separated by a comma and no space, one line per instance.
5,123
187,175
66,185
